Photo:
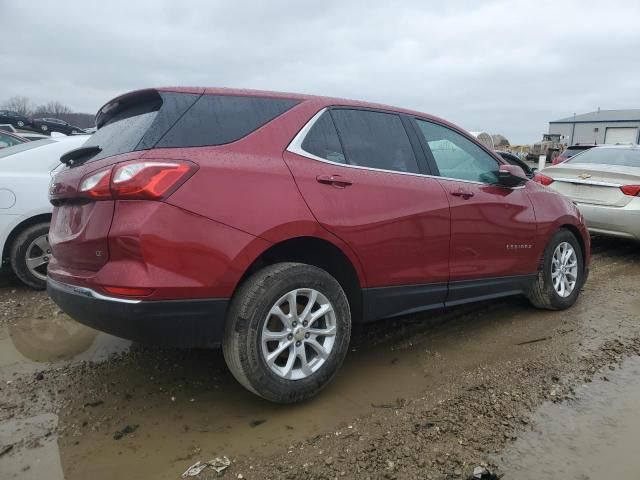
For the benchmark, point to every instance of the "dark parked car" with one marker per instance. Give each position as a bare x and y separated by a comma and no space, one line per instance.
515,160
571,151
268,223
55,125
14,118
8,139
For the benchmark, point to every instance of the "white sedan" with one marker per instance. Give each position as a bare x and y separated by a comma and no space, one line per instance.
25,211
605,184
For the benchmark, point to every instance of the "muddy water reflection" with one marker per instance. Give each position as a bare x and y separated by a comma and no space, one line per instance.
26,344
595,438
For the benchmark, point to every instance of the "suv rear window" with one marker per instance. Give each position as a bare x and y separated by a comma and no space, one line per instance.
170,120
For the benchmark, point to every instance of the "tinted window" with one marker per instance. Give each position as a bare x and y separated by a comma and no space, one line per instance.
220,119
181,120
23,147
322,140
609,156
125,130
458,157
375,140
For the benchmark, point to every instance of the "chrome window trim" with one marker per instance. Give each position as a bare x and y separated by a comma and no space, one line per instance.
87,292
295,146
587,182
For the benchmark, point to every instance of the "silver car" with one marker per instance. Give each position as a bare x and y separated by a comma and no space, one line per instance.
605,184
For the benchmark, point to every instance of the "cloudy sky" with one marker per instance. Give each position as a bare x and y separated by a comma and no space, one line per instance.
500,66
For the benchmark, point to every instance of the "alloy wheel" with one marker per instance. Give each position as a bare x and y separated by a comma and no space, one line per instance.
298,334
564,269
37,257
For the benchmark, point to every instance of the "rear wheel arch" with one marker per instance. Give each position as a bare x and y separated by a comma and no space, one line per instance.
319,253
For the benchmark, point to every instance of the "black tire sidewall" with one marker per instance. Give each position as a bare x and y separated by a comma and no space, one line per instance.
18,255
556,300
262,379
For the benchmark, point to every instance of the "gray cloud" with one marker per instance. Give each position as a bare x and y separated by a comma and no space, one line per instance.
501,66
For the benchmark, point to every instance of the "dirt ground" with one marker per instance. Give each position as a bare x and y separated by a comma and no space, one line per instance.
428,396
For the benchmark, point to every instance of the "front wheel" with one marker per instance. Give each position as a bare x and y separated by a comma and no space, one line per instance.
560,275
20,123
44,128
287,332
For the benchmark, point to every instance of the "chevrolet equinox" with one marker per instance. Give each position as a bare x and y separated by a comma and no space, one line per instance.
269,223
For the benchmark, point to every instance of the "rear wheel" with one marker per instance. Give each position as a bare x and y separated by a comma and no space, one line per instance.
30,254
20,123
44,128
561,273
287,332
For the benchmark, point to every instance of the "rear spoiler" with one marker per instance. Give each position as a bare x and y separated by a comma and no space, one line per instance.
118,104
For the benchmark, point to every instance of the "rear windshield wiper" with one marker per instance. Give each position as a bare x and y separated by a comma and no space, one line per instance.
79,155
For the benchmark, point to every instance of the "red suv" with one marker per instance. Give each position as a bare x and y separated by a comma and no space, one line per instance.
269,223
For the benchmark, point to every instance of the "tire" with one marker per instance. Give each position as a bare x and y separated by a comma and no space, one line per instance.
20,123
543,294
249,321
44,128
23,246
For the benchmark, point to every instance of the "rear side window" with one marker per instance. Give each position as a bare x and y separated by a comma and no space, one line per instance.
375,140
220,119
322,140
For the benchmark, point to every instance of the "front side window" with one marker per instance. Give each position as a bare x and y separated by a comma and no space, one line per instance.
322,140
458,157
375,140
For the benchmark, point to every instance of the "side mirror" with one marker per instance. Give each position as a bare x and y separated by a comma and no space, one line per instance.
511,176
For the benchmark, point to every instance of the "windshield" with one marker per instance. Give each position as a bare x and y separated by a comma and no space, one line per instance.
627,157
23,147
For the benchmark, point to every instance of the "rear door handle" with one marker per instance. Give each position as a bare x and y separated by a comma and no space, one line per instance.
465,194
335,180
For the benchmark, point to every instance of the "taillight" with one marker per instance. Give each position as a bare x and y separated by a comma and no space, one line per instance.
632,190
96,185
542,179
137,180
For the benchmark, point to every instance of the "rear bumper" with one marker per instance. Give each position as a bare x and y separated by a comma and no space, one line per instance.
621,222
175,323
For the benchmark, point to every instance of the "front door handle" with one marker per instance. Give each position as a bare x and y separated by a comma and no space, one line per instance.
465,194
335,180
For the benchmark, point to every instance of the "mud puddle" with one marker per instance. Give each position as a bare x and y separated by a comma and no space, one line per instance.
595,437
38,336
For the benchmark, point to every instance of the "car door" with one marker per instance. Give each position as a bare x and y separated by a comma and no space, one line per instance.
493,228
361,177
